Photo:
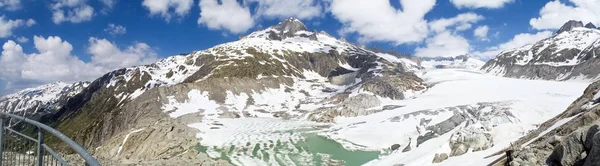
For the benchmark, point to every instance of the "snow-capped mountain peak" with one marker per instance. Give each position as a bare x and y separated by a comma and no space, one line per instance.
565,55
290,25
570,25
590,25
49,96
288,28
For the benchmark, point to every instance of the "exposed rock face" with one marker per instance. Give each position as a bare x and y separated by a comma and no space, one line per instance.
570,54
147,128
290,28
589,137
569,150
570,25
393,87
590,25
344,79
407,148
440,158
593,158
571,143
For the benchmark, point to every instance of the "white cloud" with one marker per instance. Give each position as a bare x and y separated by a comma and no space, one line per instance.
555,13
301,9
444,44
10,5
378,20
54,61
115,29
229,15
168,8
461,21
446,40
74,11
463,27
109,3
8,26
518,40
30,22
108,6
236,17
22,39
481,32
491,4
108,55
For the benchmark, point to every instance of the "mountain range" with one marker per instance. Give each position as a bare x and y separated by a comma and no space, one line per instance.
570,54
276,96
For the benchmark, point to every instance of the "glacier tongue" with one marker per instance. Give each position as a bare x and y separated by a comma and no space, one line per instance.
464,114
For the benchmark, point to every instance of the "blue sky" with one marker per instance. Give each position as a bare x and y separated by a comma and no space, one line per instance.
71,40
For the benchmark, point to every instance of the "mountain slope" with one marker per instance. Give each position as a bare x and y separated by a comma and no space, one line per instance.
570,54
284,71
45,99
570,138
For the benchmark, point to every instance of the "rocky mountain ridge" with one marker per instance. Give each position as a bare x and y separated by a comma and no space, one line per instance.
570,138
590,25
568,55
45,99
570,25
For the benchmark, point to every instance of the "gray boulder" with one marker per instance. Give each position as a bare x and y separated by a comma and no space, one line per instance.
588,139
569,151
407,148
593,159
440,157
459,149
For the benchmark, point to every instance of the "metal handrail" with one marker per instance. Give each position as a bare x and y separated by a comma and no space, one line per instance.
89,159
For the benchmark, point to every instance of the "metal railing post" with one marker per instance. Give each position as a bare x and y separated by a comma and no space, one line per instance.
43,148
1,137
40,149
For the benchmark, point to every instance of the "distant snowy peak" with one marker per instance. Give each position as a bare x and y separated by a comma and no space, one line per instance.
50,96
289,49
570,25
559,57
560,49
461,62
288,28
48,92
590,25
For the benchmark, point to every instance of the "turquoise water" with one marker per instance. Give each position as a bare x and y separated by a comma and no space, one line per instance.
312,150
318,144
